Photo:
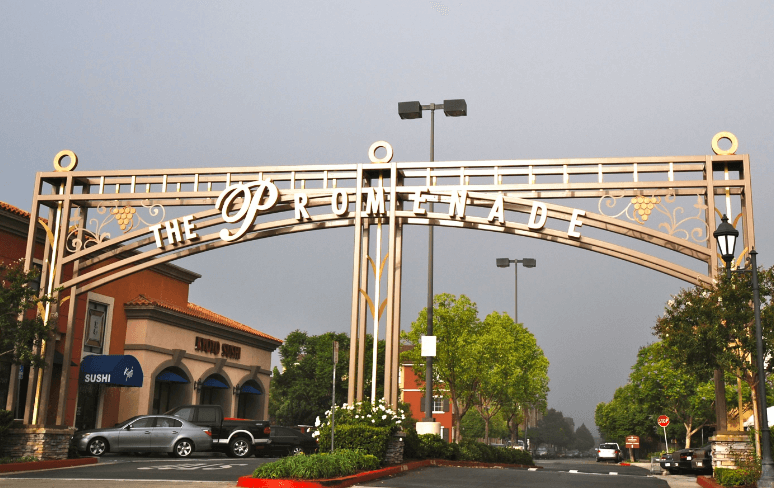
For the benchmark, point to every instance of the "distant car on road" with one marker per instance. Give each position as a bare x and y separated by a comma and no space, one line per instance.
288,441
573,454
145,433
544,453
609,451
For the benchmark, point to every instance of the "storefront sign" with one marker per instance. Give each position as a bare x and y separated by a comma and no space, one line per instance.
213,347
262,195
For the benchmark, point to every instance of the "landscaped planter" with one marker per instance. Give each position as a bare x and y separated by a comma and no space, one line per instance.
250,482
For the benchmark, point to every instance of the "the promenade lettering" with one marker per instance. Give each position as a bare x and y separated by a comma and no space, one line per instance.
261,195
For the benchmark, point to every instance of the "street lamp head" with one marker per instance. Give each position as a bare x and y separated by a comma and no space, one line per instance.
529,262
503,262
455,108
726,236
410,110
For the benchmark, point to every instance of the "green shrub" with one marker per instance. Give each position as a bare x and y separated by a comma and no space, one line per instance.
341,462
732,477
25,459
429,446
371,440
412,447
6,420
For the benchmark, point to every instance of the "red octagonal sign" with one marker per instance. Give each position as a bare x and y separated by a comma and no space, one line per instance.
663,421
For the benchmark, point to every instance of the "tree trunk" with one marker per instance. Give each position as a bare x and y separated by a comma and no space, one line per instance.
688,433
486,430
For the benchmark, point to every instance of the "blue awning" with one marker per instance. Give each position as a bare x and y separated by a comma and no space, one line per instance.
171,377
251,389
114,370
213,383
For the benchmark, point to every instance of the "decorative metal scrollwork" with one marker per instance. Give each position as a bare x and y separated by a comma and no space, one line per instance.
126,217
640,208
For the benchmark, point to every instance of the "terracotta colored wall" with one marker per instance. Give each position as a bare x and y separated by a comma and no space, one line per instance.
147,282
415,398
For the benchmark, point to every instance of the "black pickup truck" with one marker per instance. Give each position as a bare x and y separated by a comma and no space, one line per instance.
236,437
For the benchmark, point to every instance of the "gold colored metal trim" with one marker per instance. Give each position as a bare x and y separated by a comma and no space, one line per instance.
725,135
60,156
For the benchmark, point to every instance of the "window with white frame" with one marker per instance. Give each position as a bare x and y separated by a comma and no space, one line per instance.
438,404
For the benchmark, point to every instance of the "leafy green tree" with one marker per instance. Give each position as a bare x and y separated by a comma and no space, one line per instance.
713,328
583,439
455,368
665,386
624,415
513,370
554,429
302,391
473,426
21,324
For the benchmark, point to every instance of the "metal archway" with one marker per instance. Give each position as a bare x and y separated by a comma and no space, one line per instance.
239,204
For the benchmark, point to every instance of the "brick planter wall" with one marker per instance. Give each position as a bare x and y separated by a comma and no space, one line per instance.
44,443
394,454
728,446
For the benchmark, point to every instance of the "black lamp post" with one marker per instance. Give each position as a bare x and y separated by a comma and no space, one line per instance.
726,236
413,110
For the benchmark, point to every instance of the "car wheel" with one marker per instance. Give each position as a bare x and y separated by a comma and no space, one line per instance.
184,448
97,446
295,451
240,447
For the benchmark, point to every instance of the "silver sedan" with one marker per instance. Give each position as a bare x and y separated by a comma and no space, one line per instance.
145,433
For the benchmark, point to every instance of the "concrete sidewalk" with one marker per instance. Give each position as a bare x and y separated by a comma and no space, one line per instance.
674,480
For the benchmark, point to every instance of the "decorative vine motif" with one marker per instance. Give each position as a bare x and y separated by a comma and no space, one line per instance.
126,217
640,208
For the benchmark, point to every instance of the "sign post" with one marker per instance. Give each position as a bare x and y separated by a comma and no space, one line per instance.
333,407
663,421
632,443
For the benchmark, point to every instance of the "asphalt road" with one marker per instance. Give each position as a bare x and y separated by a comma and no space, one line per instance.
212,470
204,467
555,474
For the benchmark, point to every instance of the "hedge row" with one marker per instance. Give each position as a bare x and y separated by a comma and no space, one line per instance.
429,446
318,466
370,440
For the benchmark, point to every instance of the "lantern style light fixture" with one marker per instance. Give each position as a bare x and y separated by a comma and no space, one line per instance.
726,236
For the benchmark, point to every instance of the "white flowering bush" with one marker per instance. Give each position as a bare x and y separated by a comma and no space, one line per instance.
364,425
365,413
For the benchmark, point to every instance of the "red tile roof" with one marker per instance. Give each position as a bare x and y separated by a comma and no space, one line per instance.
14,210
194,310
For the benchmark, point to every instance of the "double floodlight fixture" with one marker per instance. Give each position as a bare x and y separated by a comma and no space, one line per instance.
526,262
451,108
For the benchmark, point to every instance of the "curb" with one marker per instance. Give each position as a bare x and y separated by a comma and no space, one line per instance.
707,482
52,464
250,482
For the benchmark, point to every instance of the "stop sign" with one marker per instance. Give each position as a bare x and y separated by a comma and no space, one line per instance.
663,421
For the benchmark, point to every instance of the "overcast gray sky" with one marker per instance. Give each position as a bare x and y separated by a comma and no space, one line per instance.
185,84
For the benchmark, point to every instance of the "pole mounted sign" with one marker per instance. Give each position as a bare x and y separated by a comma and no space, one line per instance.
633,441
663,421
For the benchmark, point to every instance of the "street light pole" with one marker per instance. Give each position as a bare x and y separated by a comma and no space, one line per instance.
527,263
767,466
726,236
413,110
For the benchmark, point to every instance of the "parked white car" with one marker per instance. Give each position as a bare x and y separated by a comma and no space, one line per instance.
609,451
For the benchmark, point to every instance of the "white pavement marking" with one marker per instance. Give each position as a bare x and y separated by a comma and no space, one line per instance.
613,473
532,469
573,471
191,467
